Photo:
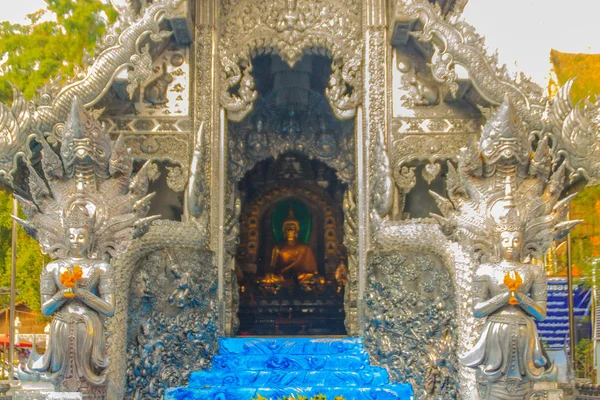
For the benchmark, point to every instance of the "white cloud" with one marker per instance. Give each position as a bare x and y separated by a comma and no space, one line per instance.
524,31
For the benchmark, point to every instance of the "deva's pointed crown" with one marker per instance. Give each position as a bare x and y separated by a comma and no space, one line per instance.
503,184
88,183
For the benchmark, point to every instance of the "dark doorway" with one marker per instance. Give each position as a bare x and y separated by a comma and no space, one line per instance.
292,261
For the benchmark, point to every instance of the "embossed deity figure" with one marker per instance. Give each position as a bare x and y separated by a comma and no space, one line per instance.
78,292
511,295
291,256
504,206
84,209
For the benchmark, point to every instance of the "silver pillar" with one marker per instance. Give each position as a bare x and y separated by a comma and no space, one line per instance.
13,292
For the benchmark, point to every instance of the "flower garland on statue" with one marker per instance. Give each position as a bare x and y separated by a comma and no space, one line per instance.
69,279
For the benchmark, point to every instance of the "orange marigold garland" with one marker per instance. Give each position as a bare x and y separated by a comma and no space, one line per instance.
69,278
513,281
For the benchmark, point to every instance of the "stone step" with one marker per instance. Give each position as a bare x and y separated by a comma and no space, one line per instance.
291,362
373,376
389,392
322,346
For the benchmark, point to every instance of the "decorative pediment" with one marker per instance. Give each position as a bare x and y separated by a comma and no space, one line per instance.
120,49
573,129
290,28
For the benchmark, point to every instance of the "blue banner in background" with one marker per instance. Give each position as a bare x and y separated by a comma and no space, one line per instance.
554,331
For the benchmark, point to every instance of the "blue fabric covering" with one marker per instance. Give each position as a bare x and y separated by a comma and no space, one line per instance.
280,367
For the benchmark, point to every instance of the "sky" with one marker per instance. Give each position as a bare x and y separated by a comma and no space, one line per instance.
17,10
524,31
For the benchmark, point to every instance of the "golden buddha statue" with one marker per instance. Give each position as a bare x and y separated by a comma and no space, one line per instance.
292,256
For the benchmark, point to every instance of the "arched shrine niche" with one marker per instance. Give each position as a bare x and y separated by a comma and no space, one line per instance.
291,113
292,265
291,140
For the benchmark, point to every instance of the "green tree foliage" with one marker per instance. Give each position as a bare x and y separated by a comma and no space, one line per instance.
38,51
30,259
584,360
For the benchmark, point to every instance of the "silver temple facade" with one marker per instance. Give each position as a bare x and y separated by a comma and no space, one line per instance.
206,90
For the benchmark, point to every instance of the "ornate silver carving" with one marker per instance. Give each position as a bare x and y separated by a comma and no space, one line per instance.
434,126
141,70
504,206
429,139
404,179
172,321
410,321
152,287
434,149
574,133
425,131
458,43
475,189
573,128
314,133
155,92
25,118
85,208
147,125
194,196
382,186
409,235
15,125
290,27
431,171
166,91
351,233
231,231
157,139
206,122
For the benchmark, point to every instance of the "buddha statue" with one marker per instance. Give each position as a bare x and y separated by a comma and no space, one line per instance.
291,256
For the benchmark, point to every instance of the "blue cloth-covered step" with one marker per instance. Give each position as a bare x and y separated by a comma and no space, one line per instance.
309,362
281,367
242,346
374,376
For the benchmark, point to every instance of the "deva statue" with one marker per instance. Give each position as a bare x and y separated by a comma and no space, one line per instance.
85,208
511,295
503,206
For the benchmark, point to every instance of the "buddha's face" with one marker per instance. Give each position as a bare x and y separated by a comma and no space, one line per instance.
510,245
78,240
290,231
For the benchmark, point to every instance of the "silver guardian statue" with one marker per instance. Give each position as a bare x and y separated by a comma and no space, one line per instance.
504,205
85,208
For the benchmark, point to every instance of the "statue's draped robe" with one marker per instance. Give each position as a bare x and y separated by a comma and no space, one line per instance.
80,328
509,346
299,255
